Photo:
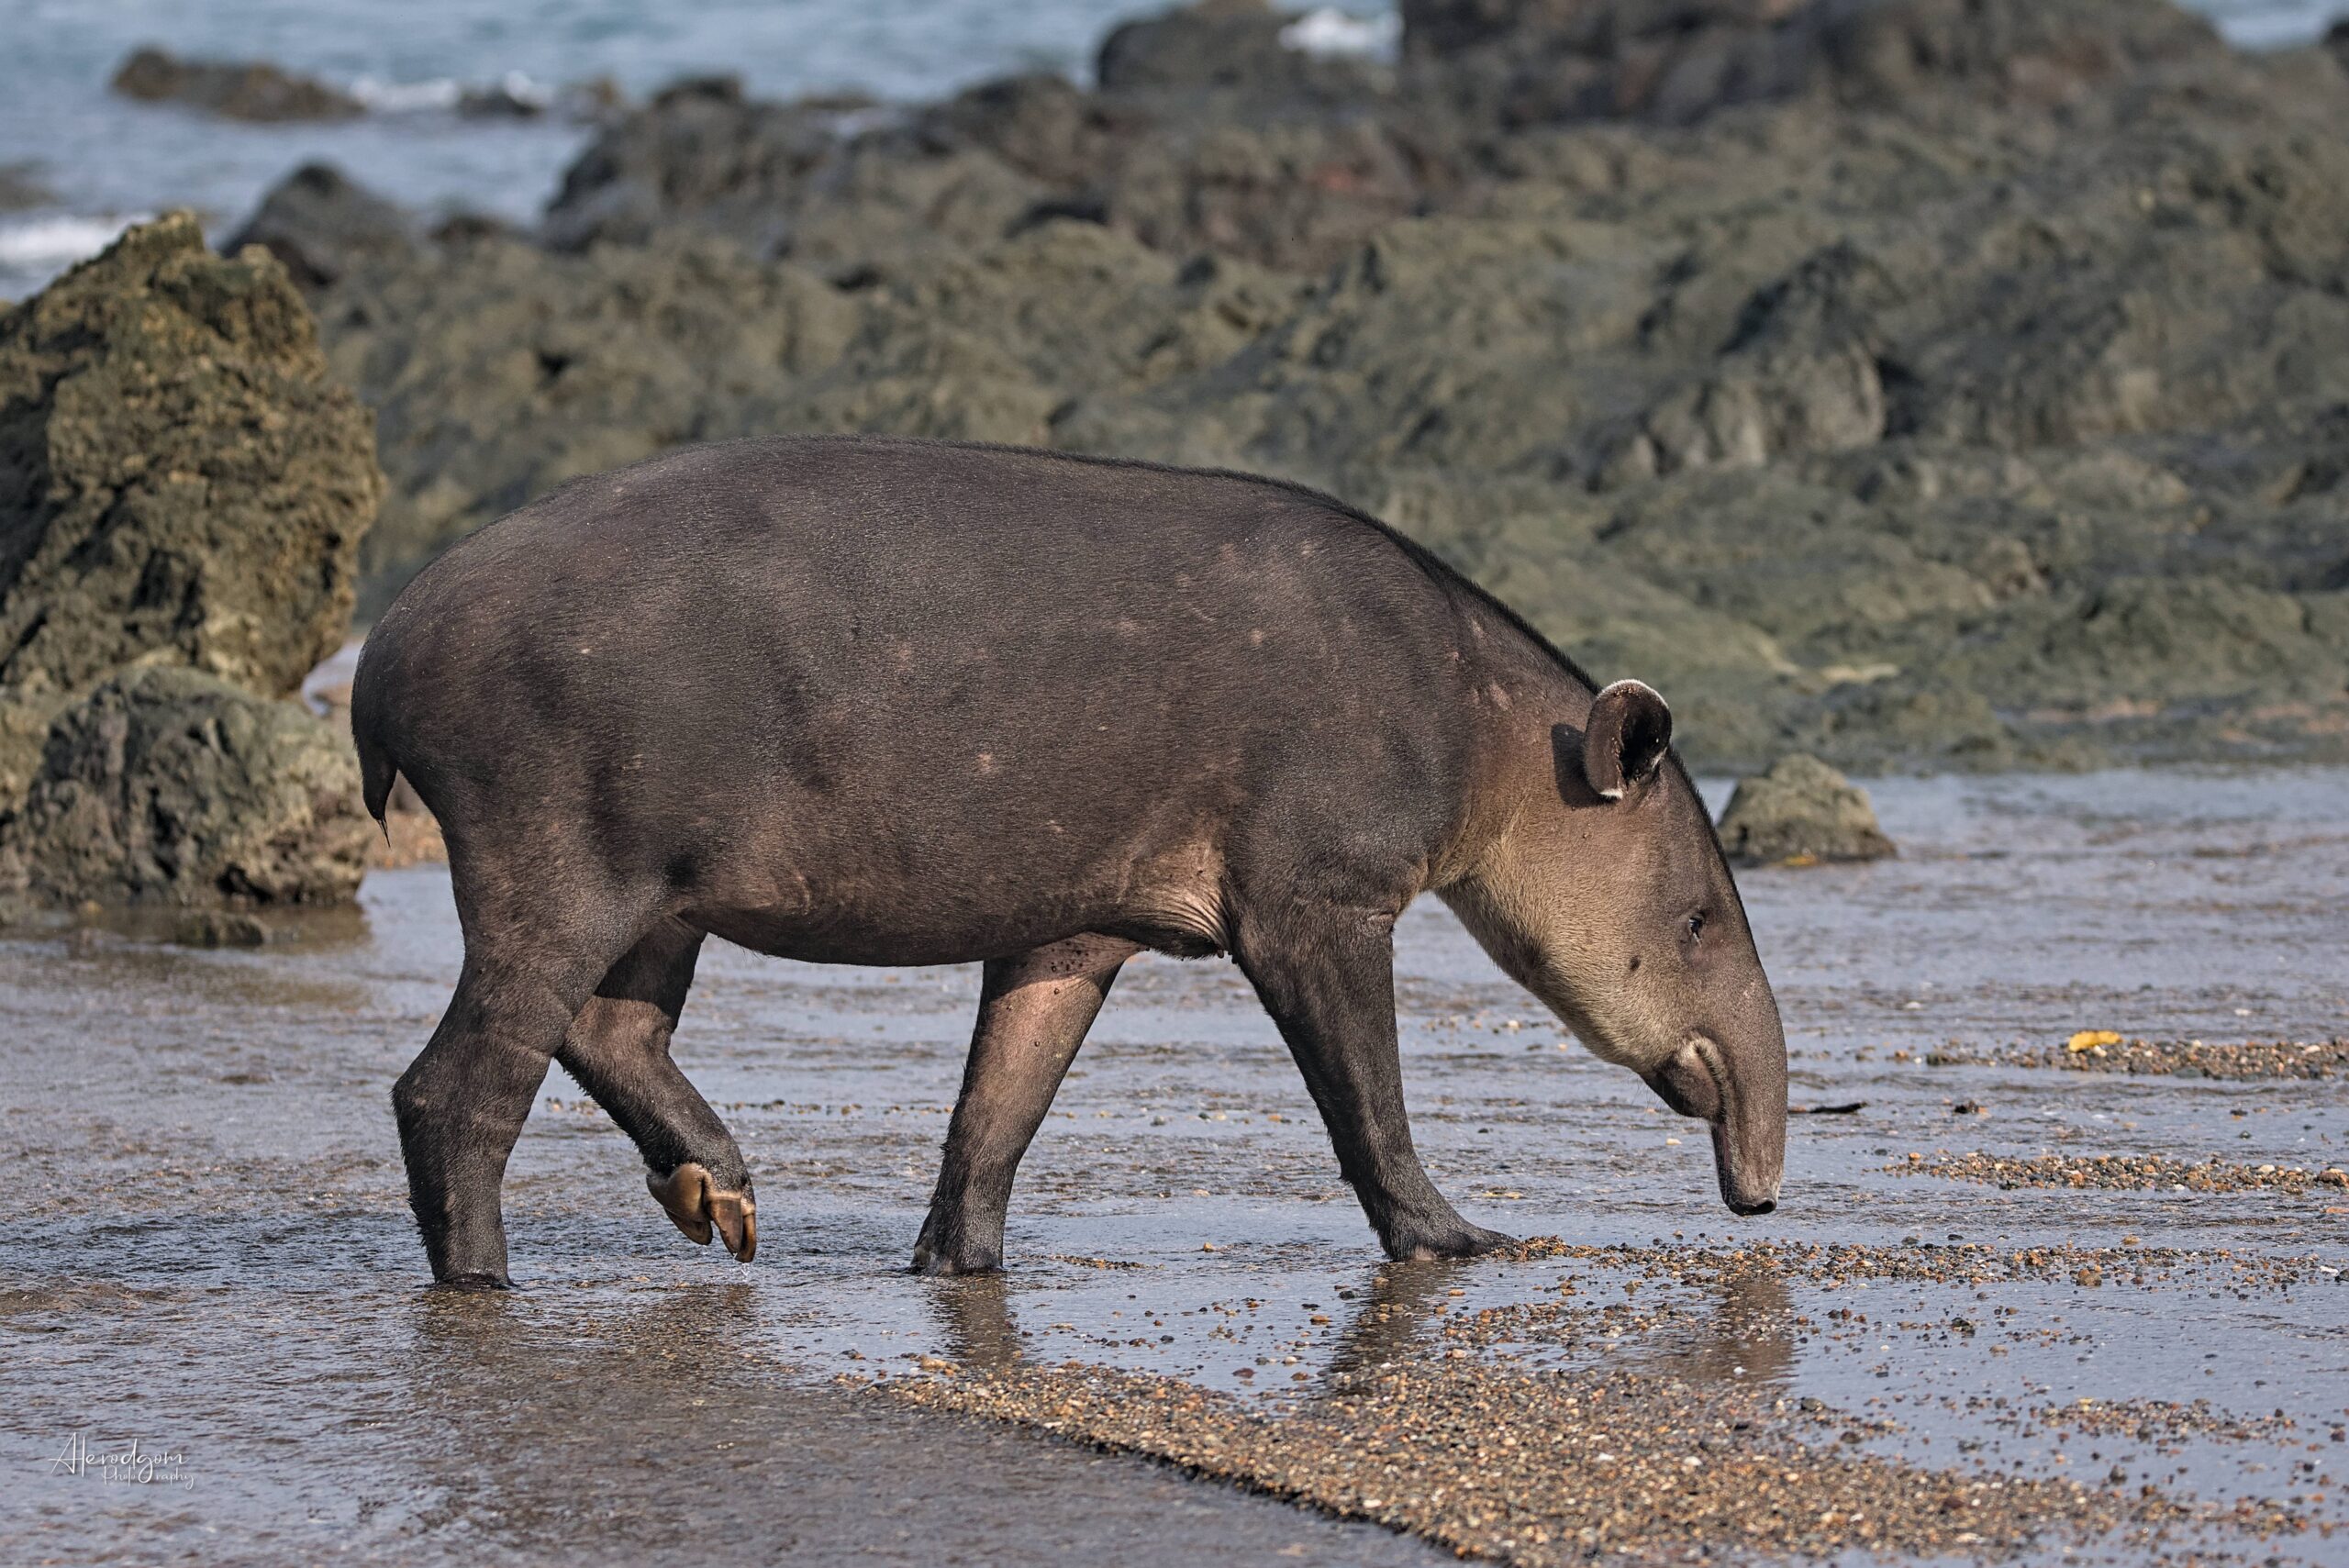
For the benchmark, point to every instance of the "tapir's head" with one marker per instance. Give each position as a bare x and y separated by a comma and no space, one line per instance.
1604,892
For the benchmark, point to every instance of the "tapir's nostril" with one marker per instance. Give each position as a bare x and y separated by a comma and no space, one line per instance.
1764,1206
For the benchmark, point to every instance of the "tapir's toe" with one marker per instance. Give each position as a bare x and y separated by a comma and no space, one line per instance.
698,1204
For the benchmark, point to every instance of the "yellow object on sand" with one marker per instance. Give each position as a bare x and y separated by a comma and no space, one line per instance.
2091,1039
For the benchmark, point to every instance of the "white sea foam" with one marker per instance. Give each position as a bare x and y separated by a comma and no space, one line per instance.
2268,24
53,243
523,90
407,97
1330,33
442,93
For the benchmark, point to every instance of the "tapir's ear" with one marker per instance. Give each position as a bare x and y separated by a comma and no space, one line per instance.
1624,741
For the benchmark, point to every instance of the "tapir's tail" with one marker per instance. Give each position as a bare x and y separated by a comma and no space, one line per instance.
378,770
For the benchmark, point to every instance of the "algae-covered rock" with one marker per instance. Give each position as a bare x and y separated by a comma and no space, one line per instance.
499,370
179,482
182,497
172,786
1801,810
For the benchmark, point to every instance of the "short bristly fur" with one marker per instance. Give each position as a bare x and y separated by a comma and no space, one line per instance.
895,702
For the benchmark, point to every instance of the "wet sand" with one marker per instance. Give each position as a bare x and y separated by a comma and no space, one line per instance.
203,1247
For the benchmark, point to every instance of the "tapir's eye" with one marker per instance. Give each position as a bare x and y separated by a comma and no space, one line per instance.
1696,925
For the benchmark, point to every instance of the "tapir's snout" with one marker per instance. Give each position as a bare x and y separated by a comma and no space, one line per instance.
1742,1095
1744,1188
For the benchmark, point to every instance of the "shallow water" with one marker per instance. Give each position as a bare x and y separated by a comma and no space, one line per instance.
205,1249
109,161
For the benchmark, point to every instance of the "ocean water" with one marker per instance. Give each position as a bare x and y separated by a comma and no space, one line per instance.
103,162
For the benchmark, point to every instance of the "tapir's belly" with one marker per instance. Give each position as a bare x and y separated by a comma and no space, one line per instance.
994,900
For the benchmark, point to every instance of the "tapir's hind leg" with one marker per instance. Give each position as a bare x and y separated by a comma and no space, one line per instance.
532,955
1033,1012
618,1049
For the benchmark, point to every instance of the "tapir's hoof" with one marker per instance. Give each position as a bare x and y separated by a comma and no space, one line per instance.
698,1205
474,1282
949,1265
1453,1241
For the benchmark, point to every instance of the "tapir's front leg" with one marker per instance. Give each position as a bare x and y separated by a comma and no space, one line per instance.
1327,975
1033,1012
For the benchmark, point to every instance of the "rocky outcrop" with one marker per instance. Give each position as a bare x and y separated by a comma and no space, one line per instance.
1801,811
818,180
237,90
498,371
1206,133
182,493
1234,47
172,786
1525,63
183,484
322,226
1970,393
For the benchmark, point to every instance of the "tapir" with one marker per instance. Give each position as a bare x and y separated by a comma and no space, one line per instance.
879,701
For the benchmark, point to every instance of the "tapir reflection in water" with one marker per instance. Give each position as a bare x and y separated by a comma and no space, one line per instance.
895,702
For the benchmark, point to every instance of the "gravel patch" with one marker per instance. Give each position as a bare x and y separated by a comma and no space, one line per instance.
2126,1172
1567,1464
2164,1058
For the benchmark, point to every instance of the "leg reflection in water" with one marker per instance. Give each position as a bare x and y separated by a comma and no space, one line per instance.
973,1317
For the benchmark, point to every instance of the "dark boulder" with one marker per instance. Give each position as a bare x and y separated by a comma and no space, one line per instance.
1042,125
20,188
702,153
1216,43
237,90
1207,133
172,786
1801,810
1231,47
2044,53
322,225
1675,62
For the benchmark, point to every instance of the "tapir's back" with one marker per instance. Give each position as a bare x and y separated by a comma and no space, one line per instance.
908,662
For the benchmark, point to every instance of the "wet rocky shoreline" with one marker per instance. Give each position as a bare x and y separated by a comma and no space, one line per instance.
1920,385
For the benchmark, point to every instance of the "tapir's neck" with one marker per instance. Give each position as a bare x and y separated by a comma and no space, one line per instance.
1518,692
